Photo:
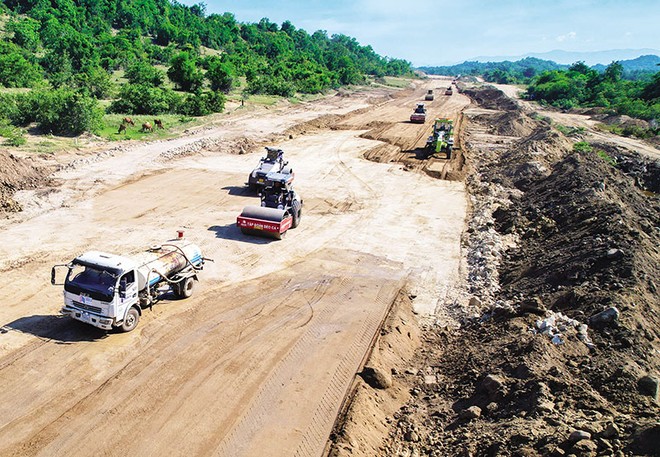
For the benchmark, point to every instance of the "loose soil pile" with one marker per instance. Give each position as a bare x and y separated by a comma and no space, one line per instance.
17,174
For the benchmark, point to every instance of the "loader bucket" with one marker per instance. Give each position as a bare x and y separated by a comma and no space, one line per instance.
264,222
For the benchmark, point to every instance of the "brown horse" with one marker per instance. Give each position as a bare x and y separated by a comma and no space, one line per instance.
127,120
147,127
158,123
122,128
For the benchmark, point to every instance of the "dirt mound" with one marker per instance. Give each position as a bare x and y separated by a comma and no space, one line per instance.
383,153
490,97
17,174
530,158
644,170
508,123
328,121
624,121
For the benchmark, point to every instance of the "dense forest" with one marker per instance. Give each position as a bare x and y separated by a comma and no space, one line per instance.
174,59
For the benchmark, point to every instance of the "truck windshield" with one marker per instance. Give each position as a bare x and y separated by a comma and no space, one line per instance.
98,283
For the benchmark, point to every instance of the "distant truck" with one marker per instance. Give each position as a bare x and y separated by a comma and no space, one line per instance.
419,115
109,291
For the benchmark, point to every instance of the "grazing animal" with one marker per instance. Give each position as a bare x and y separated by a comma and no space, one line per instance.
147,127
158,123
127,120
122,128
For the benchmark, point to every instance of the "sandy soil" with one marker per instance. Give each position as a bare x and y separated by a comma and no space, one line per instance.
260,359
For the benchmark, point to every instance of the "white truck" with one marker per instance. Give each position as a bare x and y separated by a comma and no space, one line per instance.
108,291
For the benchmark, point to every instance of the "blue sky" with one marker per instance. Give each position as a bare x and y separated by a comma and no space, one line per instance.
435,32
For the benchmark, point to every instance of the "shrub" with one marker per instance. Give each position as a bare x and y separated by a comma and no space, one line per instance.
14,136
145,99
607,158
582,146
202,104
65,112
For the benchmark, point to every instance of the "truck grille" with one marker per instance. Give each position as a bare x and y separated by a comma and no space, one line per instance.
94,309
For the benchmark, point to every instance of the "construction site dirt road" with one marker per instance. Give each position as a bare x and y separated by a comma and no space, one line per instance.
259,360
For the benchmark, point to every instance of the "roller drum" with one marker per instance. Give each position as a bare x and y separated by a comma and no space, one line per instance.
263,221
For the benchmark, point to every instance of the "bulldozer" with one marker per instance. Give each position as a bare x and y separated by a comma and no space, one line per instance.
441,138
280,209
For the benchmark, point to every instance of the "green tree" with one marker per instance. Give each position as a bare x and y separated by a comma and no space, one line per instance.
145,99
26,33
184,73
95,82
651,91
220,75
16,70
140,72
63,111
613,72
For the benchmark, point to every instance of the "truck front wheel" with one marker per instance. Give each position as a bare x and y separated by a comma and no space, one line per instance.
131,320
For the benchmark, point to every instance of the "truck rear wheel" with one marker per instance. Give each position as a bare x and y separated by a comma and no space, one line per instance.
186,287
131,320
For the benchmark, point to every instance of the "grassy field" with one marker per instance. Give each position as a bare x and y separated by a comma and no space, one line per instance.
172,124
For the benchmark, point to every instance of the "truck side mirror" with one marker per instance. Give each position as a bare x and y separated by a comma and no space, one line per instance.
53,275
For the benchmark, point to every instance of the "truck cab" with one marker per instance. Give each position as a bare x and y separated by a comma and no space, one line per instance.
99,289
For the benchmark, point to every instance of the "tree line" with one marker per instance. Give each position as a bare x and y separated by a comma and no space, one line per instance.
507,72
66,52
582,86
629,87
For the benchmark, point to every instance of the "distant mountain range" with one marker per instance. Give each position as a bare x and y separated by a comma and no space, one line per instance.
641,63
569,57
526,68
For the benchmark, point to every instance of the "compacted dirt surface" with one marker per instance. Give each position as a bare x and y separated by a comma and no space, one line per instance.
501,302
261,358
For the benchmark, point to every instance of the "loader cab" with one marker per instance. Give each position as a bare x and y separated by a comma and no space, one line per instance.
420,109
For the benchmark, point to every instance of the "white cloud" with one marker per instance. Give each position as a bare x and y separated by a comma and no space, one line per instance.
570,36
